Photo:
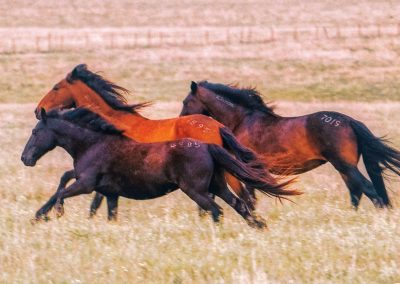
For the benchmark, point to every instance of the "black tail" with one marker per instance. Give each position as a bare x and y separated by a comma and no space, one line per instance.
252,177
378,156
239,151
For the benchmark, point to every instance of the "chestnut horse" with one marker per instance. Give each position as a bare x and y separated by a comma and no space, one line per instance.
294,145
108,162
83,88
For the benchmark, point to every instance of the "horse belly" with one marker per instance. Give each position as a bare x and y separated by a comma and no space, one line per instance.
289,152
290,163
145,191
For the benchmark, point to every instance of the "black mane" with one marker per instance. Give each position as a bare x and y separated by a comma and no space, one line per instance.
249,98
85,119
111,93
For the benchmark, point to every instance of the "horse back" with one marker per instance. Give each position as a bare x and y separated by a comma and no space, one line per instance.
199,127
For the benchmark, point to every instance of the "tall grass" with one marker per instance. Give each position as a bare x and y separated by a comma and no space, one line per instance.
319,238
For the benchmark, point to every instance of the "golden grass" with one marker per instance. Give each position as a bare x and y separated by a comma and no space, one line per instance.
318,239
308,71
357,69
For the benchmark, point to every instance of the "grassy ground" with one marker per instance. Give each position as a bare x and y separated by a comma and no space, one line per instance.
318,239
165,73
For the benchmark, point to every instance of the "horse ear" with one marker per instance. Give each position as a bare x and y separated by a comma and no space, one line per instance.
75,72
81,67
193,87
43,115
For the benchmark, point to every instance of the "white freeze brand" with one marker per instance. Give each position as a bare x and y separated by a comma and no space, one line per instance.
225,101
332,121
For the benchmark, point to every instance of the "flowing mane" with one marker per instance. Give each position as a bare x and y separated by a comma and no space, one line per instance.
249,98
85,119
111,93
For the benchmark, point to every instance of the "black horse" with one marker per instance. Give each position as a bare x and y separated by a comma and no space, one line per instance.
294,145
110,163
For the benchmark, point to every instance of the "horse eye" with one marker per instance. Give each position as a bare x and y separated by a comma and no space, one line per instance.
56,87
34,131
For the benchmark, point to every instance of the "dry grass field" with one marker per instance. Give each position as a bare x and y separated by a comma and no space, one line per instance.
317,239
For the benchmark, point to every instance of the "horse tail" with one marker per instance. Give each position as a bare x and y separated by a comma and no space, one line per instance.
378,156
252,177
239,151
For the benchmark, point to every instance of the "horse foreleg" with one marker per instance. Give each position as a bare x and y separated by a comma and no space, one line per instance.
112,204
81,186
65,178
42,212
96,202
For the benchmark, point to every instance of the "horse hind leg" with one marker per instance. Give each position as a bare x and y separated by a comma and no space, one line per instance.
208,204
344,156
247,194
218,186
358,184
375,173
199,194
354,190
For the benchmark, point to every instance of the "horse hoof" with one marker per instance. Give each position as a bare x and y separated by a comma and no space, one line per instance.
258,223
202,213
59,208
38,218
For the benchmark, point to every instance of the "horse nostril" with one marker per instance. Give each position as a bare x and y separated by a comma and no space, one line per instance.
23,158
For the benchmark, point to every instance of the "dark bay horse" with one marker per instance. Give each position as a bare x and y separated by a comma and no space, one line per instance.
84,88
294,145
114,165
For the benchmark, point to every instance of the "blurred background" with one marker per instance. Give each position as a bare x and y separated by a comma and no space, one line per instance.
290,50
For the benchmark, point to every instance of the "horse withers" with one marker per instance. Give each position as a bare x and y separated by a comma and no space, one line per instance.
109,163
294,145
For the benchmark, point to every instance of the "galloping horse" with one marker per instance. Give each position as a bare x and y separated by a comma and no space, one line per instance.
83,88
294,145
108,162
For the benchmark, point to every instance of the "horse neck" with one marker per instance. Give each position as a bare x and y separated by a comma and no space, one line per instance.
225,111
85,97
74,139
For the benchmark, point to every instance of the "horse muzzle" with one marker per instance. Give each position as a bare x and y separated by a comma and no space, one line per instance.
28,161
